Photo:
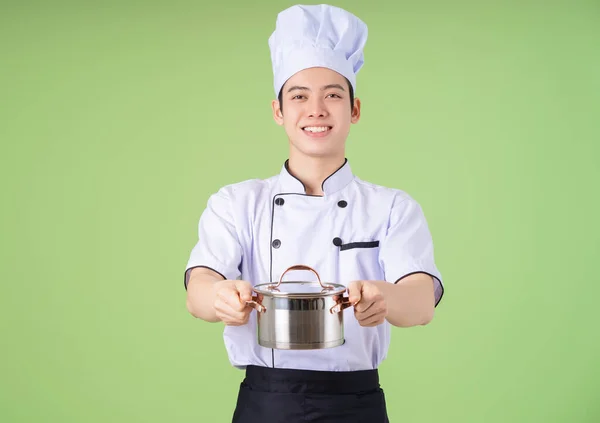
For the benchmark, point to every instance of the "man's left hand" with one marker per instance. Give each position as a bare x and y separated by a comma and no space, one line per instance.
370,306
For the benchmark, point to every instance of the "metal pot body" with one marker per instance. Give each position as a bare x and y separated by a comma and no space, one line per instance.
300,315
300,323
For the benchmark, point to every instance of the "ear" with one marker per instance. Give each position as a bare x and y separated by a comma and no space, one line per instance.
277,115
355,111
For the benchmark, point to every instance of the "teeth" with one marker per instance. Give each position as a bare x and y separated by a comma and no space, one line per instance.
316,128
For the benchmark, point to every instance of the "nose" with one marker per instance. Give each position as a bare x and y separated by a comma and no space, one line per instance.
317,108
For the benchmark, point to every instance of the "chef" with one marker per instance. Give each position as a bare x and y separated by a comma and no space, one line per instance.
315,212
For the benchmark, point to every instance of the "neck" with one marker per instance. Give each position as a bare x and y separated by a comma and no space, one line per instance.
312,171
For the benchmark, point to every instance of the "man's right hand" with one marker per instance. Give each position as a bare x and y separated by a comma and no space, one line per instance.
230,301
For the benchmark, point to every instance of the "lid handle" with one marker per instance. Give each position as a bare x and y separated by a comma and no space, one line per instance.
300,267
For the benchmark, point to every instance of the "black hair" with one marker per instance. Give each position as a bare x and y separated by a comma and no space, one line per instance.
350,90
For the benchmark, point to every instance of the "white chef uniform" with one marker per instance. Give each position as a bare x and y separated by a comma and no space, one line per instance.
256,229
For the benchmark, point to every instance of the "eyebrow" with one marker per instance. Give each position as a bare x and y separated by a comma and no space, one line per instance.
326,87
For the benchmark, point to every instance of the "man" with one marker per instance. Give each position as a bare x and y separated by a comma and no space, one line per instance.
315,212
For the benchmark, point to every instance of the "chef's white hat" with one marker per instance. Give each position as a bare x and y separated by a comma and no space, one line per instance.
316,36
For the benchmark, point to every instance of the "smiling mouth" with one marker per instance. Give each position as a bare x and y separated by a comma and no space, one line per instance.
316,129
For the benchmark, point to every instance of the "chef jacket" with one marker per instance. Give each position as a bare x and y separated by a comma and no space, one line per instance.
256,229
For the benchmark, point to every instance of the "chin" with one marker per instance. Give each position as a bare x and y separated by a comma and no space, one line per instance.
318,147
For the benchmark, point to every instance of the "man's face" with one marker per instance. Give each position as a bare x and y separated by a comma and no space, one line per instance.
316,112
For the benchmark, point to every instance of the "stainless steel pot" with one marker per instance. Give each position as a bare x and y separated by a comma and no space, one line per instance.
300,315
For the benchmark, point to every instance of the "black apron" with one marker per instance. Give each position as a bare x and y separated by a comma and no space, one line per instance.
269,395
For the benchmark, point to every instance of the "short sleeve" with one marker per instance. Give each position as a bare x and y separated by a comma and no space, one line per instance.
408,246
218,247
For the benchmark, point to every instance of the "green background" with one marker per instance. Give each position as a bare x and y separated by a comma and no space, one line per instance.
118,120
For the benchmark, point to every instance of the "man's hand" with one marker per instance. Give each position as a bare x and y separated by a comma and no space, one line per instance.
371,307
230,302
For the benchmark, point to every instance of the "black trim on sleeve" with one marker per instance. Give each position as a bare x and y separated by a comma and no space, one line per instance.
429,274
206,267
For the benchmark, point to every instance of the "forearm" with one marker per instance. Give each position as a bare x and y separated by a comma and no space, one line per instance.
201,295
410,302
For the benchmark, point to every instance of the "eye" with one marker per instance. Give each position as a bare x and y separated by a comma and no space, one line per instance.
335,95
297,96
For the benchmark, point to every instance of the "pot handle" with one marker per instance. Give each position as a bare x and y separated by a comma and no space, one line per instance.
301,267
342,304
256,306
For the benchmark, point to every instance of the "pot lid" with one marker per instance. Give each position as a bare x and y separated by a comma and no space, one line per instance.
300,288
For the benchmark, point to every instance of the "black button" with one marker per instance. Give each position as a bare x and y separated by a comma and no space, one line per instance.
276,243
337,241
342,204
279,201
